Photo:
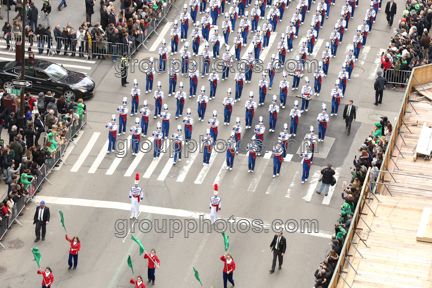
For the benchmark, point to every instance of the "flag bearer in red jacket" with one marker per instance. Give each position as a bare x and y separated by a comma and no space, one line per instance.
48,277
73,252
138,283
153,262
229,268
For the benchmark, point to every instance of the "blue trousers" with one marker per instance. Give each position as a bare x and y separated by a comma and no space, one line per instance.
303,13
257,52
63,2
248,74
310,47
274,24
249,117
343,87
282,57
227,115
216,50
272,121
151,274
206,67
188,133
281,12
135,144
122,125
206,156
306,169
325,68
214,16
283,97
212,90
309,5
230,159
356,51
144,126
364,40
165,129
341,36
297,29
193,14
239,90
271,77
75,260
225,73
213,134
149,84
296,82
179,111
174,46
226,36
262,9
162,64
111,142
352,9
251,163
333,48
305,104
233,22
157,150
254,24
203,5
172,86
317,86
158,107
192,88
266,40
41,43
349,69
328,9
184,66
134,106
322,186
276,165
228,277
290,43
195,46
321,131
262,96
177,152
335,106
184,31
241,7
201,111
205,33
293,126
244,35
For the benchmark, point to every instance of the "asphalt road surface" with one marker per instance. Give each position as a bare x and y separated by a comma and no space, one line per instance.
92,190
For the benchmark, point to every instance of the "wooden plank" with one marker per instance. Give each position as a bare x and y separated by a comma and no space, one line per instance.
424,232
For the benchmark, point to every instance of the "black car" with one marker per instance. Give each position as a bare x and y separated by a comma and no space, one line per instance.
48,76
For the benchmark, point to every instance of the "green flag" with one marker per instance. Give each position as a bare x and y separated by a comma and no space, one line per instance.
62,219
226,240
139,243
130,264
37,256
197,275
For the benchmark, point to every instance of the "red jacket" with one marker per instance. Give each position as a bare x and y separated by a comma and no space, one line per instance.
151,260
31,102
47,281
386,65
136,283
230,267
74,248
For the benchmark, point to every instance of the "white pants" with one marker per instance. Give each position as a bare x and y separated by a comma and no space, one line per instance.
134,207
214,217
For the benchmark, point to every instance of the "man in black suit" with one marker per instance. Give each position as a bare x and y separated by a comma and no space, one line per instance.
278,246
349,115
41,219
390,11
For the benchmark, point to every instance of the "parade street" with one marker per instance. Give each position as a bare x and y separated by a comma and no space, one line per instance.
92,187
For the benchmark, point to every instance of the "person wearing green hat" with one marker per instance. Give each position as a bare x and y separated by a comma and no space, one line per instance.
46,14
26,179
346,209
51,138
377,132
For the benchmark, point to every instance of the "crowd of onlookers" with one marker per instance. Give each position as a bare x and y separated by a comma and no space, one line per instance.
372,153
23,153
412,44
115,33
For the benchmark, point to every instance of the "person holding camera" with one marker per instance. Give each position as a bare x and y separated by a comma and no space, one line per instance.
326,180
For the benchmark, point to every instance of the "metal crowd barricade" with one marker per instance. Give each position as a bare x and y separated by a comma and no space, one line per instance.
400,77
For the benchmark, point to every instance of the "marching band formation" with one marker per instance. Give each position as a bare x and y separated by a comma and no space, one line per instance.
247,24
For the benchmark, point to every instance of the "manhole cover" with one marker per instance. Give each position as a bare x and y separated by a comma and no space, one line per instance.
375,117
358,70
15,244
3,270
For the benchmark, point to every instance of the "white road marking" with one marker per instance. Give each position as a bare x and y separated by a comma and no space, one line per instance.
136,161
155,210
158,41
153,166
85,152
166,169
327,199
273,185
55,59
205,169
376,65
117,160
250,48
317,47
190,160
221,173
364,52
313,182
243,159
255,181
99,158
288,195
68,151
288,157
266,50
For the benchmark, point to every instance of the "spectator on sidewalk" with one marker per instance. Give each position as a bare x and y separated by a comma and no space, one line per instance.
89,9
58,35
379,87
18,150
32,16
7,32
50,119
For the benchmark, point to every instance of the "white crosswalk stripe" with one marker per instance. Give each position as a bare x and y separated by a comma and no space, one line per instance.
99,158
313,182
327,199
221,173
317,47
266,50
117,159
205,169
288,195
153,166
166,169
183,173
261,168
85,152
162,35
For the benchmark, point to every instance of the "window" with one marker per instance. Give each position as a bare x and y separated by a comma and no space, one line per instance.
27,72
42,75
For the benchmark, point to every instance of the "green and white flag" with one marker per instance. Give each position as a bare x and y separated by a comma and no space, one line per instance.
139,243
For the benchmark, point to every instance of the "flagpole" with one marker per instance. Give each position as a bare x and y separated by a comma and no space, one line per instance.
43,278
156,264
